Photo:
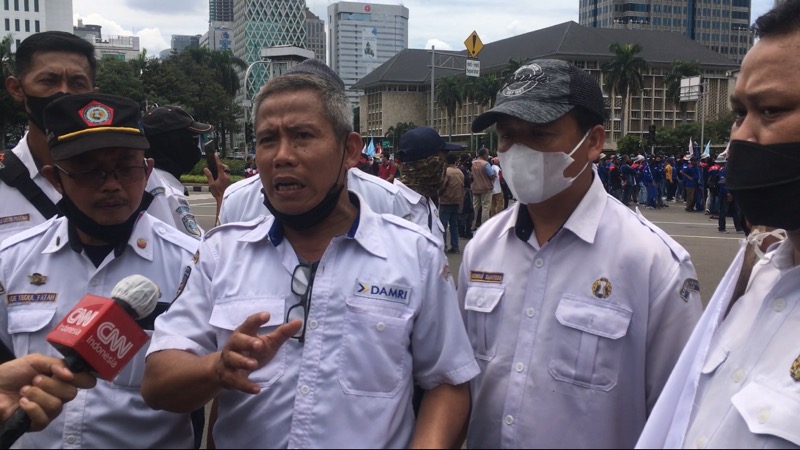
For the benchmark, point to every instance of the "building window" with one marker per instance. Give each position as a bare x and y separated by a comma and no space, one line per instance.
16,5
27,26
27,5
8,24
5,5
16,24
36,5
36,26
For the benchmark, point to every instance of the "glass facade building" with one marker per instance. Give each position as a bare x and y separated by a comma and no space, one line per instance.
721,25
362,36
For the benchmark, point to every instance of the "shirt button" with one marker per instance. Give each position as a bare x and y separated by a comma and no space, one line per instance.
779,305
509,420
70,439
763,416
539,263
738,376
95,282
520,367
162,230
530,312
313,324
305,390
380,326
481,302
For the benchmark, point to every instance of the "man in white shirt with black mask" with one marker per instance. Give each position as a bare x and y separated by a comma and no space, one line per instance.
575,334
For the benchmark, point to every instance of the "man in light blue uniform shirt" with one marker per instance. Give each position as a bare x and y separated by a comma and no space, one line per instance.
319,342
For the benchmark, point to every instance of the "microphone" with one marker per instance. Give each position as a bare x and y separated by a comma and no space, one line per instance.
99,335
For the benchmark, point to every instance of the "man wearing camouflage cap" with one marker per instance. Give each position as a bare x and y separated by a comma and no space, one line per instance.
575,334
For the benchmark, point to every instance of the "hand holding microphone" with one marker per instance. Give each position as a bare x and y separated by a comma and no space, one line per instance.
99,335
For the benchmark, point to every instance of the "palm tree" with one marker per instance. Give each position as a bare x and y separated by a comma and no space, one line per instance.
396,131
623,76
672,81
6,70
486,94
450,94
512,66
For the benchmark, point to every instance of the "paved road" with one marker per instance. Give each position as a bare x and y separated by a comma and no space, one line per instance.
711,250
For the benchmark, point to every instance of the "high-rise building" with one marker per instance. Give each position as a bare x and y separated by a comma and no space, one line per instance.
362,36
22,18
315,35
220,10
721,25
181,41
260,24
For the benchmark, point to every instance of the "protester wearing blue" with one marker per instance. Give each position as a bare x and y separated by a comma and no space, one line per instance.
691,176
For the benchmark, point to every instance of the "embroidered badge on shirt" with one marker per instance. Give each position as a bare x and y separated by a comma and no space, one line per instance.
486,277
37,279
387,292
43,297
796,369
689,286
601,288
157,191
190,224
15,219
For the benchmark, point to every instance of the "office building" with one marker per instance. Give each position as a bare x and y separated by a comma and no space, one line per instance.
181,41
220,10
22,18
260,24
362,36
315,35
400,89
721,25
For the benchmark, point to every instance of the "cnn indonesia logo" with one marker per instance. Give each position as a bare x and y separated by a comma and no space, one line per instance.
107,334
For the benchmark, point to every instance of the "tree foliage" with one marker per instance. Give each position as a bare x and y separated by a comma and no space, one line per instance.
672,81
395,131
12,117
623,74
450,94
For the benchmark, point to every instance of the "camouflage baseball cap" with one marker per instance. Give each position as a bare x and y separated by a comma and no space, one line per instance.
542,91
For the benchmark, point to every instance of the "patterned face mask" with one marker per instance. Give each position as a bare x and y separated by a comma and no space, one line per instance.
424,176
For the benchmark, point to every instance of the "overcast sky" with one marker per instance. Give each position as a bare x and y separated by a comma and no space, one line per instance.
443,23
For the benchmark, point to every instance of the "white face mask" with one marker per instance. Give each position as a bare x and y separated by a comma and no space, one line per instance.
536,176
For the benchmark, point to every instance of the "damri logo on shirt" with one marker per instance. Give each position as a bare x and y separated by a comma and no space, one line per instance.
387,292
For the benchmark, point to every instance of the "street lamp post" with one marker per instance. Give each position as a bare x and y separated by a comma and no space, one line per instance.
246,103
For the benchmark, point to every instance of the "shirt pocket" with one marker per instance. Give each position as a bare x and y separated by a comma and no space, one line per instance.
228,314
770,408
374,356
26,321
483,319
587,350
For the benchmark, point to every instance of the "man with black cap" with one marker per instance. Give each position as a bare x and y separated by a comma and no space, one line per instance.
346,311
575,334
97,146
47,65
423,154
175,141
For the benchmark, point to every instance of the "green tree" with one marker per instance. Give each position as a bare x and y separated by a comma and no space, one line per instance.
117,77
512,66
623,75
486,94
630,144
450,94
12,116
396,131
672,81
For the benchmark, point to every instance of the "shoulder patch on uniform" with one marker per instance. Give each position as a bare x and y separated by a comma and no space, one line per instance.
689,286
2,289
157,191
795,372
190,223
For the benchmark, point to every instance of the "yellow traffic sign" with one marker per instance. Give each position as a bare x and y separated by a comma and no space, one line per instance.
474,44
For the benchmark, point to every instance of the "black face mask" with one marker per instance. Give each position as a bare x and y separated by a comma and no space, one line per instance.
176,152
112,234
765,181
36,105
316,214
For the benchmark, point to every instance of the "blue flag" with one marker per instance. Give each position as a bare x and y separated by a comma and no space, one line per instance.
370,148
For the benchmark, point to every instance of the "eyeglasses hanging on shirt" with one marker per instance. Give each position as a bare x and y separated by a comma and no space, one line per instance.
302,282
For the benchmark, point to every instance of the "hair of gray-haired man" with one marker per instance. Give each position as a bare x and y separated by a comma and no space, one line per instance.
334,101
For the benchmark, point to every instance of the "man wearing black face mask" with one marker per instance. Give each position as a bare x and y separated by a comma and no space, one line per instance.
737,383
339,322
174,146
48,65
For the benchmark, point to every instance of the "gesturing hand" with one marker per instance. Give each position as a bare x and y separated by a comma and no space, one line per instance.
247,351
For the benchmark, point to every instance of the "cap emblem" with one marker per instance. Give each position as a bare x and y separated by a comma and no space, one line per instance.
97,114
524,79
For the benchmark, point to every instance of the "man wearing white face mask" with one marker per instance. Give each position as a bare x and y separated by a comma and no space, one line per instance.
575,334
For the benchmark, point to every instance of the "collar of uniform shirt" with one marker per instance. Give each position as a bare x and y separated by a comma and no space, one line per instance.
583,222
365,230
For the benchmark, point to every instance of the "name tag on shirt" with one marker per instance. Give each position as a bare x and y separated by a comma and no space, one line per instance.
15,219
486,277
383,292
44,297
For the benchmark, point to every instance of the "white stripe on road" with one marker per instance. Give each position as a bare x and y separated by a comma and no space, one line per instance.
710,224
706,237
